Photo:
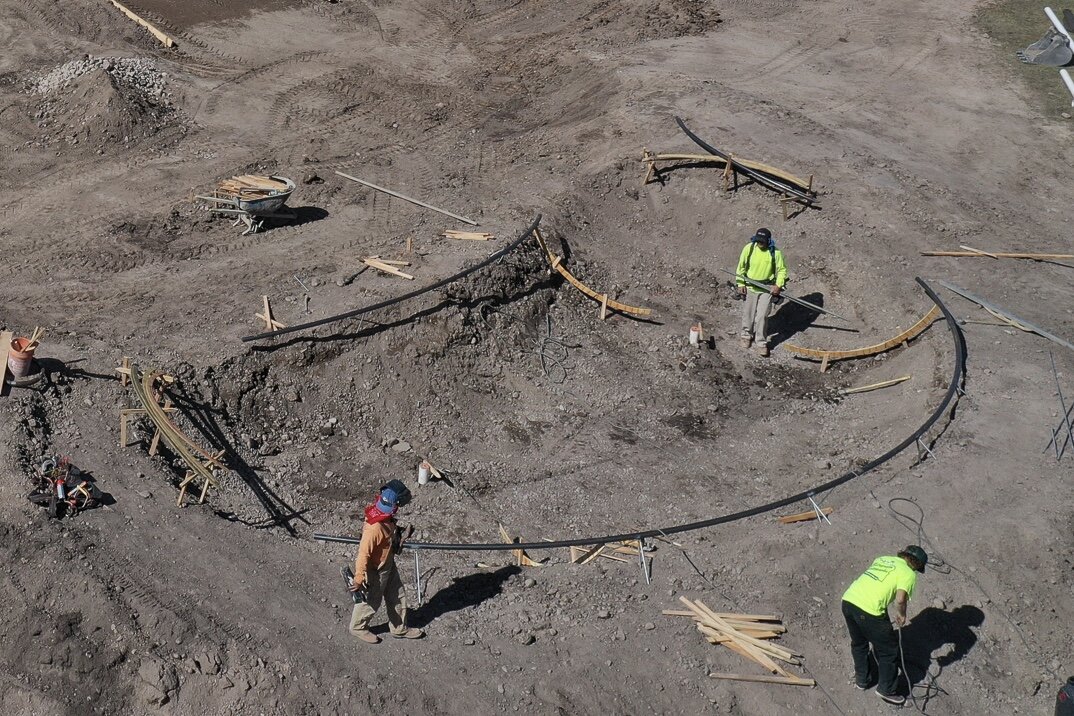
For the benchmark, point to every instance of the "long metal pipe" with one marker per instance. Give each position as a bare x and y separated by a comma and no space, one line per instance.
799,301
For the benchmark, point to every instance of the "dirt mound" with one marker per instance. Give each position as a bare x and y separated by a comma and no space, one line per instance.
101,105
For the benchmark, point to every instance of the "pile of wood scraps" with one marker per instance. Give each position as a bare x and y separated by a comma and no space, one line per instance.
252,186
386,266
469,235
521,558
748,635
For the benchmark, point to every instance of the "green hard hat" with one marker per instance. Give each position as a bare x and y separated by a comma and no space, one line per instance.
918,554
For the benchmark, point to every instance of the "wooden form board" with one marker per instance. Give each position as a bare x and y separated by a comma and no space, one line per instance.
164,39
601,298
651,159
5,345
830,355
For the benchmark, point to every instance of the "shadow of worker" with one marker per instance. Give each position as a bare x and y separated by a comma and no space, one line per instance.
934,628
468,591
791,318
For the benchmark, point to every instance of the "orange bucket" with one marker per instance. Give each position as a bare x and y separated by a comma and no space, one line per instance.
19,358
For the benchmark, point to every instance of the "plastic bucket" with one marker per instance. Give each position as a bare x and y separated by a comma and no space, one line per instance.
19,359
423,473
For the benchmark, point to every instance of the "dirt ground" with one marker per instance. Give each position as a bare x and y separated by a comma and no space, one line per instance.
922,132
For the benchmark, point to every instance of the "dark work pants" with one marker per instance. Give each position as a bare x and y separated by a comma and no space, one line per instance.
865,631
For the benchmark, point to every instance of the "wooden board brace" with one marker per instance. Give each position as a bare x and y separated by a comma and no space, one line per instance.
651,160
213,460
826,356
271,324
5,345
521,558
126,414
556,262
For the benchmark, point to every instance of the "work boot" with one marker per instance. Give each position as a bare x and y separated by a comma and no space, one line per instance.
762,350
893,699
411,633
367,636
745,341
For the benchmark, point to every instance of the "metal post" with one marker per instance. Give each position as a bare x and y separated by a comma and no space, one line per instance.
417,577
644,567
1062,401
923,446
816,508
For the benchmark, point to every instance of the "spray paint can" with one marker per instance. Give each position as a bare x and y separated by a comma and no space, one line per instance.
423,472
1064,700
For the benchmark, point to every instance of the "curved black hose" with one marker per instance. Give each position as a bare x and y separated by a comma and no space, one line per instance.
406,296
952,391
761,178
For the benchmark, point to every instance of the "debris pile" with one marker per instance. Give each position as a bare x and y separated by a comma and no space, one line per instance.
102,104
134,73
63,488
746,635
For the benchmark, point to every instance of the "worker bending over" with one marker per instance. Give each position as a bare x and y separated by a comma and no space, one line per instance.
762,262
376,577
865,607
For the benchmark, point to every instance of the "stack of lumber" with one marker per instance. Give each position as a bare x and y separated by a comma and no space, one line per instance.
251,186
747,635
469,235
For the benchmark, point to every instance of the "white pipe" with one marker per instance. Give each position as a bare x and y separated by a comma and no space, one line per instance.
1058,25
1069,83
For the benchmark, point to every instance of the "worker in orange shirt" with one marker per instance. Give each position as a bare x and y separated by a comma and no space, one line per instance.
375,574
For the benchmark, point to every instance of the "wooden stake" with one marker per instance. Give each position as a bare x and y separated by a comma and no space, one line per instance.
874,386
1000,254
124,371
271,324
824,363
604,307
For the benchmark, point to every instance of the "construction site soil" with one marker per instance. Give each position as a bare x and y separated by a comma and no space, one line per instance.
921,132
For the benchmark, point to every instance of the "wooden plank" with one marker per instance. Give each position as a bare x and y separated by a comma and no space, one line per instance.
874,386
764,679
386,268
724,626
804,516
729,616
1000,254
829,355
978,251
5,347
767,647
758,655
164,39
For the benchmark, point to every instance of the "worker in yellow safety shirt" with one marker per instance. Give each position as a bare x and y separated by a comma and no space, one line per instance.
762,262
865,608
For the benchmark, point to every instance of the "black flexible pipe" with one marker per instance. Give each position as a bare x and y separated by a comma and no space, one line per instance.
761,178
952,391
406,296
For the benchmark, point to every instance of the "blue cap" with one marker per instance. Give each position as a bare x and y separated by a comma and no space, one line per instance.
388,501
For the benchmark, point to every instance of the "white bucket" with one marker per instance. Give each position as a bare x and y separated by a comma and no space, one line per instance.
695,335
423,473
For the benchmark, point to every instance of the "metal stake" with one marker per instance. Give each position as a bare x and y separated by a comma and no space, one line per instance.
1055,442
922,446
304,286
644,567
1062,401
417,577
816,508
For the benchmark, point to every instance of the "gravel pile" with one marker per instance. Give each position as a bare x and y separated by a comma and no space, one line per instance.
135,73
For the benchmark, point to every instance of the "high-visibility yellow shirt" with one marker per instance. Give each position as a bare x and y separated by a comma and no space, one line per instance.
765,266
874,590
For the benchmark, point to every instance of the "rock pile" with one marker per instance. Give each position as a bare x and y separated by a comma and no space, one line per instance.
134,73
